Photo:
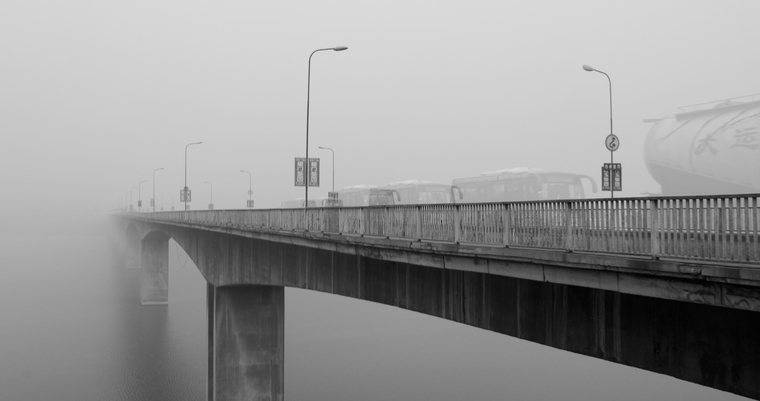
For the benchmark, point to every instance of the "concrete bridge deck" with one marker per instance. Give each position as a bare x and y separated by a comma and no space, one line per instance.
692,317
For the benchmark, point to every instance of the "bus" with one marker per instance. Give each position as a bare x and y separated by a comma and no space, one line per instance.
413,192
297,204
367,195
321,202
521,184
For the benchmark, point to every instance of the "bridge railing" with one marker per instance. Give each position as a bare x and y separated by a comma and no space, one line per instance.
724,228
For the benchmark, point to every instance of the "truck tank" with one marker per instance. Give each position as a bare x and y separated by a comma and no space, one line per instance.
707,149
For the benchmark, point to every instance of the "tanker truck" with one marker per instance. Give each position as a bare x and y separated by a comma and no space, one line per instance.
707,149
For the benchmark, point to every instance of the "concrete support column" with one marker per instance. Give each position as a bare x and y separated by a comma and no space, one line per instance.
154,273
246,345
132,247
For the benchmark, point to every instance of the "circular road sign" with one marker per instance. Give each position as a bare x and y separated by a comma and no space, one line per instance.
612,142
250,192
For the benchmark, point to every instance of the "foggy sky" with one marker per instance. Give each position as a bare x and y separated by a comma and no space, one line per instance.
96,95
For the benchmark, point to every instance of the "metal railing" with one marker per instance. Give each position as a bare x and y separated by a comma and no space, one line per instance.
717,228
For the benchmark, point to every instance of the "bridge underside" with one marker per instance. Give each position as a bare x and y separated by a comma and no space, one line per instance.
709,345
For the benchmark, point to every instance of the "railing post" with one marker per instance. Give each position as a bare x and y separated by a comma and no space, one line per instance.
506,223
654,231
457,225
569,226
362,211
418,218
386,223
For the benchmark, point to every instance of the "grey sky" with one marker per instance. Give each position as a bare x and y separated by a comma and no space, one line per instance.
96,95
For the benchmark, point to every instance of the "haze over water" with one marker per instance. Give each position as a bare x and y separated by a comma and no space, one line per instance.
74,330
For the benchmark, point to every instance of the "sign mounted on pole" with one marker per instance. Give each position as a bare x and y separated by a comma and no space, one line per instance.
612,177
300,176
612,142
313,172
303,172
184,195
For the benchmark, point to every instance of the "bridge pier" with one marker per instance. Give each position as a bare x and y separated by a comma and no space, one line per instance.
154,271
246,342
132,247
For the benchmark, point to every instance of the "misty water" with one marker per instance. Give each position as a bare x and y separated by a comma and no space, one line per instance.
73,329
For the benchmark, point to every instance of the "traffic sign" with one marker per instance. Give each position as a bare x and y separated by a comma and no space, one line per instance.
250,192
612,142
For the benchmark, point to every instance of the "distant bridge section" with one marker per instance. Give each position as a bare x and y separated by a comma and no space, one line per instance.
670,285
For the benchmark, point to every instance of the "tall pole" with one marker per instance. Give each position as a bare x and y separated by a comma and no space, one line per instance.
589,68
250,190
185,189
308,93
172,194
153,199
139,195
333,166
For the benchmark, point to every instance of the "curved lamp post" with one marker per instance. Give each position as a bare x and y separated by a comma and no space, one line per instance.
333,166
153,199
589,68
250,191
308,92
185,189
592,69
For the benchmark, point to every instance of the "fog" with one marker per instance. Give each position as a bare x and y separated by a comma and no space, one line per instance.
95,96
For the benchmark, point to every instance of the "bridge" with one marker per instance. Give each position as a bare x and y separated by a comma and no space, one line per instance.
666,284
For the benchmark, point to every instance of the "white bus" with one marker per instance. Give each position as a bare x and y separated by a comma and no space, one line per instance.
521,184
321,202
413,192
367,195
297,204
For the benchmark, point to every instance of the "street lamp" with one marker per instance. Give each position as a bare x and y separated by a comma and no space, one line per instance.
139,195
308,93
185,192
153,199
611,136
211,196
250,191
333,166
